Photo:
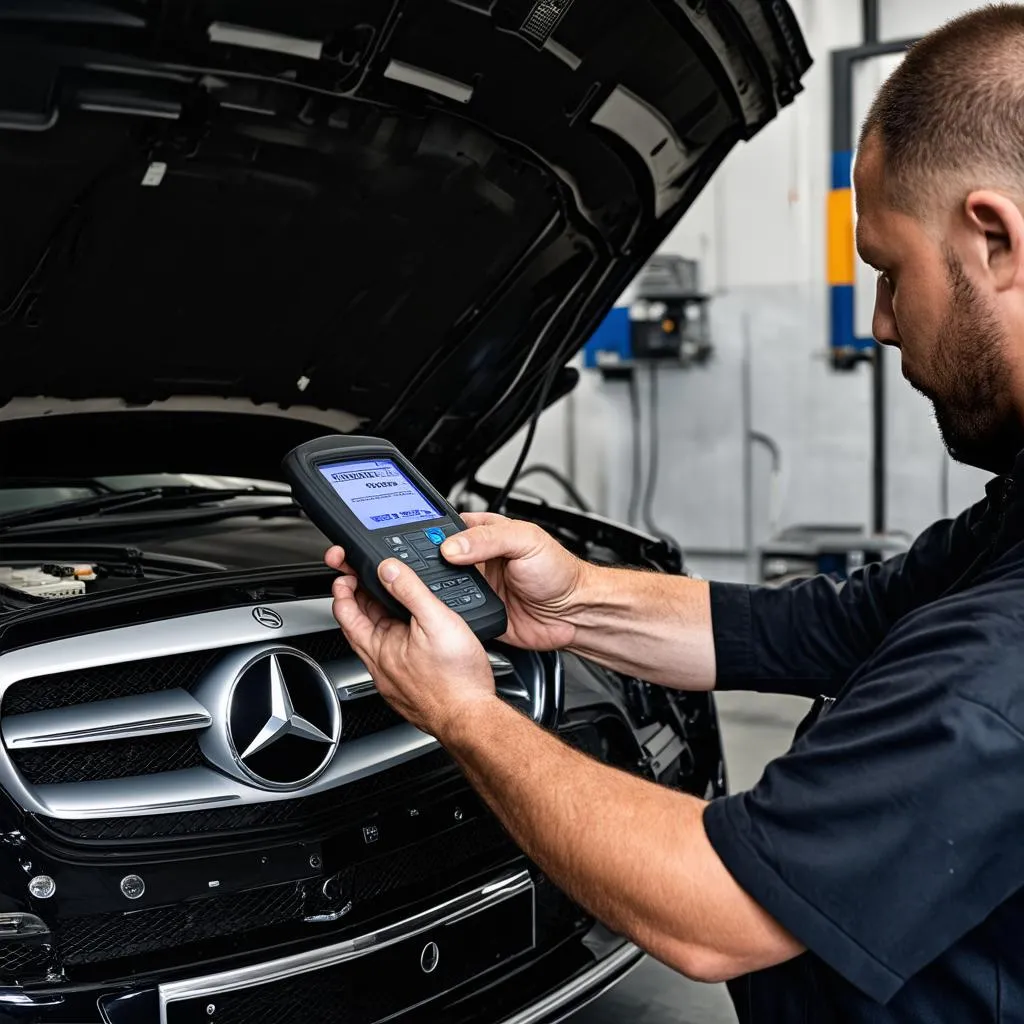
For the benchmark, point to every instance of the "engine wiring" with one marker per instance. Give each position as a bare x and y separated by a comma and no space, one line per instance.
541,469
653,460
637,467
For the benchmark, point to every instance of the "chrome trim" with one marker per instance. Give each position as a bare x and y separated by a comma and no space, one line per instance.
18,926
350,676
455,909
18,1000
353,680
202,788
358,690
116,719
583,989
205,631
225,683
522,677
500,665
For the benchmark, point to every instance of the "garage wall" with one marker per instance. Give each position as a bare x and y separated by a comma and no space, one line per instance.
759,232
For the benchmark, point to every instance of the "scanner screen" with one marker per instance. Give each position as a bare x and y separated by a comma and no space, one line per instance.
379,493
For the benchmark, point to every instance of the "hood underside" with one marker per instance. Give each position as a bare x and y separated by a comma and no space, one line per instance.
401,214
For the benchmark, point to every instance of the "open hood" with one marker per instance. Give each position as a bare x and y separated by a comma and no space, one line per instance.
228,225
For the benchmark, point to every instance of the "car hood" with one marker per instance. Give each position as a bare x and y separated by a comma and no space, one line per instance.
228,227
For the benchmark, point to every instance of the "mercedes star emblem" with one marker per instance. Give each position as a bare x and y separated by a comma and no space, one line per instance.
284,719
267,617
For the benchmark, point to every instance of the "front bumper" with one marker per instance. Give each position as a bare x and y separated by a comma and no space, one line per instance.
479,957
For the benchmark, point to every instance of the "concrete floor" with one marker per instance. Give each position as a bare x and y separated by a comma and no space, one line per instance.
755,729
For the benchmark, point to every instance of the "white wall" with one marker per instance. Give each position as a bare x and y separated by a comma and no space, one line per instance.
910,19
759,231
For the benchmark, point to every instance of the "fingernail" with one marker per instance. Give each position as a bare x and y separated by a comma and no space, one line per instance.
454,546
389,571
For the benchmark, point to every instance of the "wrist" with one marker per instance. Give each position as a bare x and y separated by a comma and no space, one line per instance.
463,724
584,591
594,589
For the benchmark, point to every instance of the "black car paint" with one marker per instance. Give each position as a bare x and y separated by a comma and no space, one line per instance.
327,240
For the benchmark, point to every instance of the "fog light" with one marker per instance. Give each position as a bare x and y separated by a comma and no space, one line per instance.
42,887
132,886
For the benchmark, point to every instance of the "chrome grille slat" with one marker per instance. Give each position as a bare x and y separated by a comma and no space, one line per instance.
198,788
144,714
166,699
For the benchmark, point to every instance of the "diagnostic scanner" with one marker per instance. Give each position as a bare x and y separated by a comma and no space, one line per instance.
363,494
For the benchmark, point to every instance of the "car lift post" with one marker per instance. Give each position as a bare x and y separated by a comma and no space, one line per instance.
847,349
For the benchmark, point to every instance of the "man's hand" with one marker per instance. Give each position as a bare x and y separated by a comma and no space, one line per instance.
432,671
539,581
650,625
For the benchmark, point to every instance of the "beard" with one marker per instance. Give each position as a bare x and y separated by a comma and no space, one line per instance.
969,384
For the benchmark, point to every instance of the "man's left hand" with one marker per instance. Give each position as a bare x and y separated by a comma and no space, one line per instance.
432,671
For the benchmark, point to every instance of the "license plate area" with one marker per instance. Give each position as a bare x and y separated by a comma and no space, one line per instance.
375,983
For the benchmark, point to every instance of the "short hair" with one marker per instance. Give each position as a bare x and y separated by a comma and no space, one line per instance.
953,111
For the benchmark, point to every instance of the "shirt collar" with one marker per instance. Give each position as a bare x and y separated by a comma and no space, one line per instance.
1002,492
998,487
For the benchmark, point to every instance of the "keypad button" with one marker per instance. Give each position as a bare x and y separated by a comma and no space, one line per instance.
462,579
434,534
450,583
436,587
466,600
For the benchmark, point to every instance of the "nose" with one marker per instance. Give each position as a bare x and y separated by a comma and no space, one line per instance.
883,325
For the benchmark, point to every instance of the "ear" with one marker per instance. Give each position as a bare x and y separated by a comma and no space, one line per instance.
998,225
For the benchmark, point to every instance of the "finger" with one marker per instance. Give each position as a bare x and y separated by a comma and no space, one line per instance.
335,557
344,583
496,538
484,518
371,608
358,629
409,590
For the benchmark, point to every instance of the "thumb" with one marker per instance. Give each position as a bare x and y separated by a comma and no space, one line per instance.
409,590
496,537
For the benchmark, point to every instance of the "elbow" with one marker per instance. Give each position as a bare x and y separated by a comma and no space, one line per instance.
712,966
708,966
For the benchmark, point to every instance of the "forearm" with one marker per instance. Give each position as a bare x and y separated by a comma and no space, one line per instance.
650,625
632,853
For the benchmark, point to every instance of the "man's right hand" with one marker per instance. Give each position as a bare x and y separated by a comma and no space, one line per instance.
646,624
540,582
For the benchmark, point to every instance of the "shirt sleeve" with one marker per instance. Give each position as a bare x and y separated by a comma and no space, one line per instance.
893,827
808,638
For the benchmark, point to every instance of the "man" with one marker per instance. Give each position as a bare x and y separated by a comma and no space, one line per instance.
875,873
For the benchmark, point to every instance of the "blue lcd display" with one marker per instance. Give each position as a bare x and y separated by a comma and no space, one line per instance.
379,493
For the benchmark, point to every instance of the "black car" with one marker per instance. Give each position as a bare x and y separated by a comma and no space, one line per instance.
226,228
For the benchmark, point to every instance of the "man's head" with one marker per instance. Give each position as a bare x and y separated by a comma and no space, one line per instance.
939,182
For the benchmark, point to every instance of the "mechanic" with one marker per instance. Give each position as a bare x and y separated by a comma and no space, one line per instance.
875,872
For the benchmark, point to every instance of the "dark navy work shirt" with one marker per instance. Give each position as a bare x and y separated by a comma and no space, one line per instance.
890,839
